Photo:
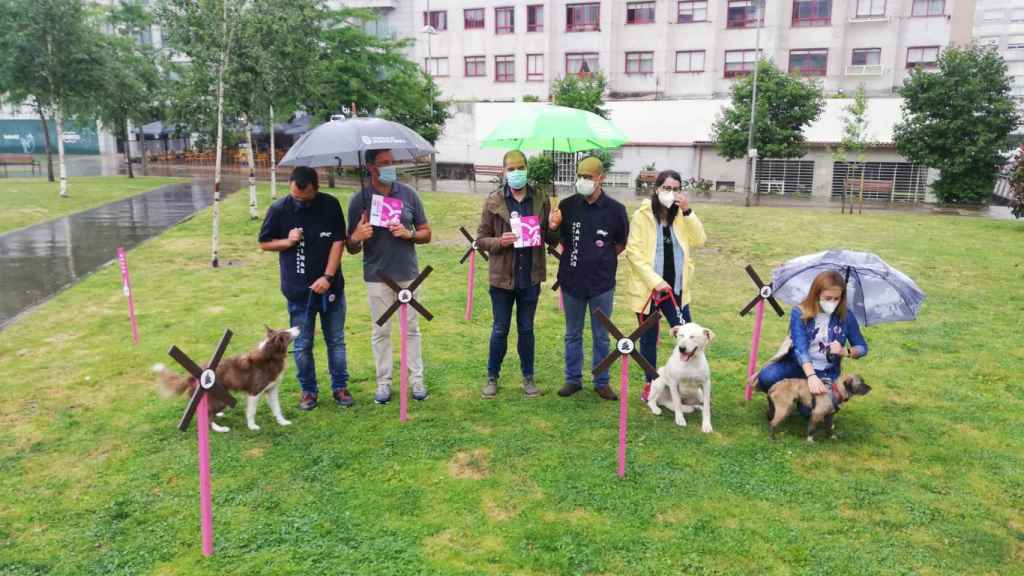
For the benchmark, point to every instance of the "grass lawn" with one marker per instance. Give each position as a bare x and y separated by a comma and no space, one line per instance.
926,478
28,201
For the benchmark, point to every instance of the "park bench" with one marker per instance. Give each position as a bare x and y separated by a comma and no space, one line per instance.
491,170
20,160
618,180
871,187
416,171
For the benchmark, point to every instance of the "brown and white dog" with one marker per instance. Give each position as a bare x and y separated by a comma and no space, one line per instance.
256,373
823,408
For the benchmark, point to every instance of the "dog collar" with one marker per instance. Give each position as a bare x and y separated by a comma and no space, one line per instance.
836,391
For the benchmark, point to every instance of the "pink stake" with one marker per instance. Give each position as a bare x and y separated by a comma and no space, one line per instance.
205,502
623,415
469,285
403,395
561,303
755,345
126,283
657,335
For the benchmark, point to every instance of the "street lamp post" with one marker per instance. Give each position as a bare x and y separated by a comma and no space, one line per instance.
751,151
429,30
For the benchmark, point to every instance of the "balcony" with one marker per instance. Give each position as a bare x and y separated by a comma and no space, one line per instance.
864,70
869,18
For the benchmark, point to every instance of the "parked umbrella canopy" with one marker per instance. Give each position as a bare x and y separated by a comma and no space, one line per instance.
876,292
343,142
556,128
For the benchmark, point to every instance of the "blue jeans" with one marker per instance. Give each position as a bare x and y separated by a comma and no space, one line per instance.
525,301
332,324
575,314
649,339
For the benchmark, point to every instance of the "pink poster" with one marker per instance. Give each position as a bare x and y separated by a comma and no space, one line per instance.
528,234
385,211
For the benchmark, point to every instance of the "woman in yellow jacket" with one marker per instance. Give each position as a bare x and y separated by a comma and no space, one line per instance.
663,234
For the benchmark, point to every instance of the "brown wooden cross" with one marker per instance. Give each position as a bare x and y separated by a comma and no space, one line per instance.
405,295
558,256
627,345
472,246
206,379
764,292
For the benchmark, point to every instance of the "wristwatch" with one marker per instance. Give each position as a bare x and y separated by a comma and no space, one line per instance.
330,279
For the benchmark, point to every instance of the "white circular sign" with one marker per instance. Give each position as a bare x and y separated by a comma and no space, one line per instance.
207,379
766,291
625,346
474,245
405,296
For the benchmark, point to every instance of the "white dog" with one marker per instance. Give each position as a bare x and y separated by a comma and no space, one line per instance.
684,382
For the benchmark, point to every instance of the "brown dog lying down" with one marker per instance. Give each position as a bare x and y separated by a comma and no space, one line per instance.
823,408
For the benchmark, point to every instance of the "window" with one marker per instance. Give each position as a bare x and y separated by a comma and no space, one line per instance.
744,13
812,12
928,8
504,68
583,17
476,66
870,8
889,181
992,41
640,13
473,19
725,185
924,56
690,61
1015,43
792,178
1017,15
583,64
534,67
535,18
438,20
504,20
867,57
992,15
692,11
808,62
739,62
639,62
436,66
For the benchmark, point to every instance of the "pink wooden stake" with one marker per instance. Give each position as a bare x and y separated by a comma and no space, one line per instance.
657,334
469,285
205,501
403,394
755,345
623,415
122,260
561,303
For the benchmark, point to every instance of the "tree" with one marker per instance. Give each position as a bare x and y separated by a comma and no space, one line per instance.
1016,178
581,92
50,55
854,142
957,120
207,32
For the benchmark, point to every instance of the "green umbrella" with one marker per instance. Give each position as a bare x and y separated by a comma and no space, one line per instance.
556,128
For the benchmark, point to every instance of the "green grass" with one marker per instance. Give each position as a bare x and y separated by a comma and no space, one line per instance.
926,478
28,201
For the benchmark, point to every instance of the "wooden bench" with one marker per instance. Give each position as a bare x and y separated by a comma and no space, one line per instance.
618,180
416,171
493,171
20,160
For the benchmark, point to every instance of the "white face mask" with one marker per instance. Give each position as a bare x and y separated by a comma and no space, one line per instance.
828,306
584,186
667,198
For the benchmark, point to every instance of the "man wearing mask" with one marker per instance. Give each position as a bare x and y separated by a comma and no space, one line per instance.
307,229
593,229
389,247
518,265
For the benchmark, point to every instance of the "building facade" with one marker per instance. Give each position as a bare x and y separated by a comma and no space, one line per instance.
1000,23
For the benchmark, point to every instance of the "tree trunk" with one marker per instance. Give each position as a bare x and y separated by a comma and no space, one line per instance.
142,149
273,159
860,210
46,141
58,119
217,167
253,214
127,148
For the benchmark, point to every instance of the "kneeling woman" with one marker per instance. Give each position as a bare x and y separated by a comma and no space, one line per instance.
821,332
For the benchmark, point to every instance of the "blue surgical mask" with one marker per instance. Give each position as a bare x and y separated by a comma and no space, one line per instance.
388,174
516,179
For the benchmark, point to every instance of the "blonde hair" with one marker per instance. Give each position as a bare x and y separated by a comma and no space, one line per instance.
510,154
809,308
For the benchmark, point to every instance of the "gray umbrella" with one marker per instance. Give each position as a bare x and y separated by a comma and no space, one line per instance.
343,142
876,292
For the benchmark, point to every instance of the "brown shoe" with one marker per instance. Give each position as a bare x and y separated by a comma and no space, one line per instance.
606,393
530,389
490,390
569,389
343,398
308,401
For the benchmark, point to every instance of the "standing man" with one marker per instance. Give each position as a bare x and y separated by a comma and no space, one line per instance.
307,230
593,230
389,249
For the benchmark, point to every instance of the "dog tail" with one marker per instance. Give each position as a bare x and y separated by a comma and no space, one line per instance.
171,384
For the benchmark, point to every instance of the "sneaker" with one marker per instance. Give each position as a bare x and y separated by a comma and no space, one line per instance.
569,389
530,389
419,392
606,393
343,398
383,394
491,389
645,394
308,401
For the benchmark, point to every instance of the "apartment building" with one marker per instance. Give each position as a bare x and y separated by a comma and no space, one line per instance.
1000,23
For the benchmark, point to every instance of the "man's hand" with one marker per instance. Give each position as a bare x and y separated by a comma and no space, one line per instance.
554,217
400,231
295,235
683,201
507,239
816,385
837,349
321,285
363,231
663,287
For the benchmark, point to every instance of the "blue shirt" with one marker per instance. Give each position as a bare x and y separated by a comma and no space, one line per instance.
322,223
523,256
590,235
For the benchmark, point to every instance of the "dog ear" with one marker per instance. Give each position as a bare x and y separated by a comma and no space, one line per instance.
674,331
709,335
269,329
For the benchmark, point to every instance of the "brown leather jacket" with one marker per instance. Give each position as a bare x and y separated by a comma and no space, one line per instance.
494,221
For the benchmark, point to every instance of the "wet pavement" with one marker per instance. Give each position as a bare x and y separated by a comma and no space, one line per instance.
39,261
